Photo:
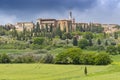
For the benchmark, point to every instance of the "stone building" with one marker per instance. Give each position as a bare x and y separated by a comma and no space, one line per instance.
109,28
65,25
83,25
47,23
21,25
9,26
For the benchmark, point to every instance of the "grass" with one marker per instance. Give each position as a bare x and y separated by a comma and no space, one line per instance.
15,51
57,72
116,58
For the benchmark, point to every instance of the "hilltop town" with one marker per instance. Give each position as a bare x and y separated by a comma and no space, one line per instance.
69,24
44,40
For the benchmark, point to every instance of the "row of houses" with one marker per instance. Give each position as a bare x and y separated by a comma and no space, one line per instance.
63,24
67,24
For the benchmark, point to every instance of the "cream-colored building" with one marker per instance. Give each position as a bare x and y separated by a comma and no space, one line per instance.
65,25
21,25
47,23
109,28
83,25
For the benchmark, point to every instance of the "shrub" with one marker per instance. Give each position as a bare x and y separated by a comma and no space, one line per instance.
75,56
71,55
112,50
38,40
102,59
26,58
118,48
83,43
88,35
48,58
87,59
41,51
36,46
4,58
96,47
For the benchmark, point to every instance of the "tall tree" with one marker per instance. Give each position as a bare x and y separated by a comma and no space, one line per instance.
116,35
75,41
99,42
59,32
85,70
14,32
47,29
106,43
51,28
90,42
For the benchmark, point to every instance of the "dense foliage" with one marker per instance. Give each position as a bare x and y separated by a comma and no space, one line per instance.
75,56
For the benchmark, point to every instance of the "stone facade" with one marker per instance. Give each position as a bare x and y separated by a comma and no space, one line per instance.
65,25
27,25
109,28
47,23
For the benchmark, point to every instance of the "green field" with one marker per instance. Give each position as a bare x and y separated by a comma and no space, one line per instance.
58,72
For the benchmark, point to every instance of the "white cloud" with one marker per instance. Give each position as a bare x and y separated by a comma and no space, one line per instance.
4,19
106,11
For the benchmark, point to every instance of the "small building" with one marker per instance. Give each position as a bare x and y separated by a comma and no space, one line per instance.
21,25
110,28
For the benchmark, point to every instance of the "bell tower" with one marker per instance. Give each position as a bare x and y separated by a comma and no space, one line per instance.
70,15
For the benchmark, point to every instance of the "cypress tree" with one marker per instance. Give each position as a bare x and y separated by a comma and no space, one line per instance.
90,42
115,35
85,70
106,43
51,28
99,42
75,41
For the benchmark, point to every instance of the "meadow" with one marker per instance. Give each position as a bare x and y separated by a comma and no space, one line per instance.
60,72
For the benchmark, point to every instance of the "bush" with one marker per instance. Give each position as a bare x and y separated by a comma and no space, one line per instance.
102,59
38,40
75,56
26,58
96,48
4,58
71,55
48,58
87,59
112,50
88,35
36,46
41,51
83,43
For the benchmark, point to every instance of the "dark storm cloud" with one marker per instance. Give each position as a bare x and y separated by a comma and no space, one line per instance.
43,5
83,10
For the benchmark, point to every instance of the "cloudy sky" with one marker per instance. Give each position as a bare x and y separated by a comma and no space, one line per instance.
99,11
